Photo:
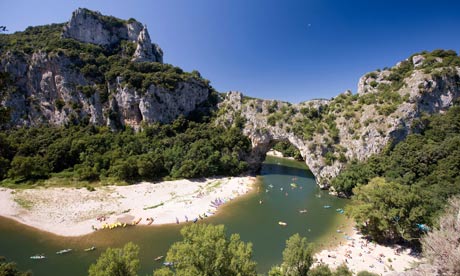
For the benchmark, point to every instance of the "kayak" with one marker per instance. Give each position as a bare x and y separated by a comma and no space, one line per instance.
63,251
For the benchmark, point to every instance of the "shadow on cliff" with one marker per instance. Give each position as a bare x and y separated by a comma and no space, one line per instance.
268,169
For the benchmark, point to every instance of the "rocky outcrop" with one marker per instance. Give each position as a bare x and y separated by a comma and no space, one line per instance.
51,89
330,133
157,104
92,27
145,51
50,92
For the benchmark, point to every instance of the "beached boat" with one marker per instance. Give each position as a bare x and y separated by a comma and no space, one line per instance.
63,251
168,264
159,258
282,223
38,257
136,222
149,221
92,248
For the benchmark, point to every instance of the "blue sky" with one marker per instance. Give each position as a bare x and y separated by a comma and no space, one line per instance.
287,50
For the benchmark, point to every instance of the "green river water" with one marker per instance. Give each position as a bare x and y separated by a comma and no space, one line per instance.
255,222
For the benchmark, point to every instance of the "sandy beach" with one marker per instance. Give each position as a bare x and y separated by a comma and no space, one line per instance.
75,212
359,254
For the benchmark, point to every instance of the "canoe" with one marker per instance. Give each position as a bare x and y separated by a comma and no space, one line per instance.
158,258
63,251
282,223
38,257
92,248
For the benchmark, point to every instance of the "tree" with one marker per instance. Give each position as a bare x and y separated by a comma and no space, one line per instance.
441,245
320,270
297,256
28,168
117,262
163,272
342,270
206,250
10,269
388,210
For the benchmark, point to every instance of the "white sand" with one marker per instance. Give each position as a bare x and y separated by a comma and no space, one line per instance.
358,254
74,212
278,154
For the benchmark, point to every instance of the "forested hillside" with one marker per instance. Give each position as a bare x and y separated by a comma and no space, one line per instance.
398,194
183,149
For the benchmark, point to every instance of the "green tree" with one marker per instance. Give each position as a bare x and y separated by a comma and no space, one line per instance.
117,262
388,210
10,269
297,256
342,270
206,250
320,270
28,168
163,272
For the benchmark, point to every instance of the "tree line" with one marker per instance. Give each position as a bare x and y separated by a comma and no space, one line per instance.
182,149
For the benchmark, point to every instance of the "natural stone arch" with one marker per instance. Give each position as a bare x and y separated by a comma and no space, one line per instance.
360,128
262,140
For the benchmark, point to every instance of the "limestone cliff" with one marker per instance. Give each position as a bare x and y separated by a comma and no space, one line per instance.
94,69
92,27
330,133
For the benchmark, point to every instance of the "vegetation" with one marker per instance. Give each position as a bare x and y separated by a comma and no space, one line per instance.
408,183
10,269
440,246
206,250
117,262
288,150
183,149
297,256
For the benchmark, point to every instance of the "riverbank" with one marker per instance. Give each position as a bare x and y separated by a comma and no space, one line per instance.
78,211
278,154
359,254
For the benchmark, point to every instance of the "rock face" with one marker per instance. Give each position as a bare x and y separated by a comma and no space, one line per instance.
50,90
145,51
348,127
92,27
